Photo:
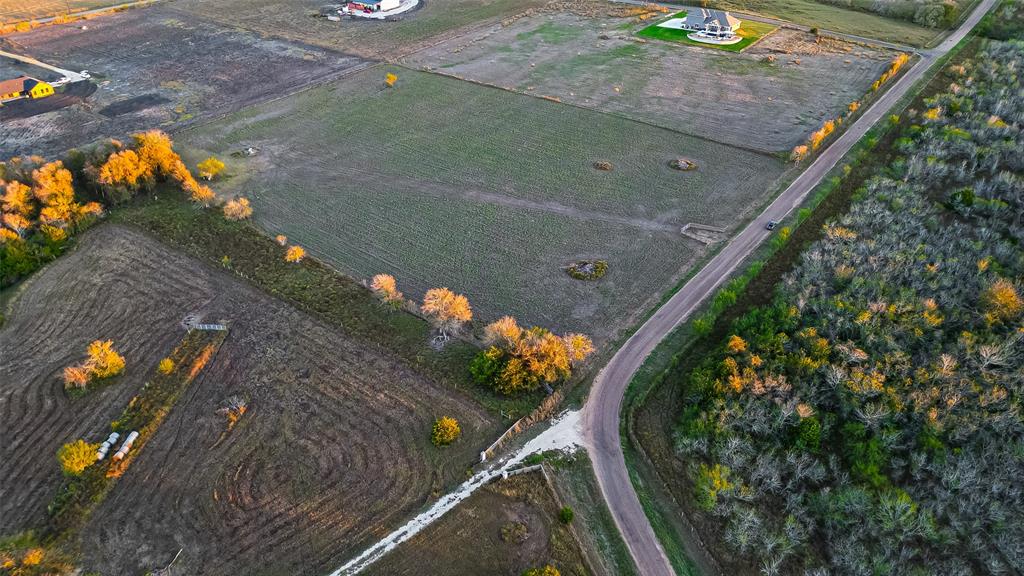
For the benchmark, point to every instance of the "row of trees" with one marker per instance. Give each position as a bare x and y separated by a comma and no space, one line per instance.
818,137
516,360
45,203
869,420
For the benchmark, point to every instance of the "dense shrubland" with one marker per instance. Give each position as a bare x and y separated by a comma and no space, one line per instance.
869,420
931,13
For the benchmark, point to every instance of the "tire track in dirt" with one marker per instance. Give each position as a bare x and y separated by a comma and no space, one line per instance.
333,451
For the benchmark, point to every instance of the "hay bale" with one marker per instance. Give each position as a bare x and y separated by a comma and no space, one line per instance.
604,165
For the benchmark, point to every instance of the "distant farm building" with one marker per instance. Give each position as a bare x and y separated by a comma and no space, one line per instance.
712,23
24,87
370,6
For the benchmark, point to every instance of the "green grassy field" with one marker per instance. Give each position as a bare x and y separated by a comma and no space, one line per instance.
446,183
749,30
834,18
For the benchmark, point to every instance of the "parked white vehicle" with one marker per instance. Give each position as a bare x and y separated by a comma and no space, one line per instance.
85,74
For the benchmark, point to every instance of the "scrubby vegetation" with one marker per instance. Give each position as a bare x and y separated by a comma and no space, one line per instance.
869,419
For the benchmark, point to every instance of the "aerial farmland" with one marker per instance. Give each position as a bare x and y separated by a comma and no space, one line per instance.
287,289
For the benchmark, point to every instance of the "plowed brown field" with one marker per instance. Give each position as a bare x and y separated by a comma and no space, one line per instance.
333,451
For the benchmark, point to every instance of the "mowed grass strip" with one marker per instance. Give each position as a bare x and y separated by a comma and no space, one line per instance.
443,182
750,32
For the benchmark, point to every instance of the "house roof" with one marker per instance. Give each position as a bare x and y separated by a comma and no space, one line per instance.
706,16
19,84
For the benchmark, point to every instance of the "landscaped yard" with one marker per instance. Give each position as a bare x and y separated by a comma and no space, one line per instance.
490,193
750,32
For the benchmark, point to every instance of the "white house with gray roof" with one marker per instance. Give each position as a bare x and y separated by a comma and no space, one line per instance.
712,23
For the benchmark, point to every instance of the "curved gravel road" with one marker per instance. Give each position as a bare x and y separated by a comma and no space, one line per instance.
601,413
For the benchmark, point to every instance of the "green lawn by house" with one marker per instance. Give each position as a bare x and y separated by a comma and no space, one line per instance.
750,32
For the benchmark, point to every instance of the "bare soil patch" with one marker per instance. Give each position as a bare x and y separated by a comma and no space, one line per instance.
295,19
158,66
738,99
504,529
333,450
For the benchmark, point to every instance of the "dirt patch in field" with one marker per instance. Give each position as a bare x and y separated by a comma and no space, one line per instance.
738,99
295,19
159,67
504,529
333,451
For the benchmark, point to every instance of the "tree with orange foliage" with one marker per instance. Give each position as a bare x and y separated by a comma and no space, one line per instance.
123,174
523,359
16,222
385,287
198,193
156,150
237,209
17,198
446,310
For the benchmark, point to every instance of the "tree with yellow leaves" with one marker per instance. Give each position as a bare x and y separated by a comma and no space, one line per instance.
103,361
1001,301
295,254
237,209
446,310
155,150
210,168
446,430
18,198
76,456
198,193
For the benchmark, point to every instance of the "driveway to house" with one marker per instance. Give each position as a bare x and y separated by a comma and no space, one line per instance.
604,404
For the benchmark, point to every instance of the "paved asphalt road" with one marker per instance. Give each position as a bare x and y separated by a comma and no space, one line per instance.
601,416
